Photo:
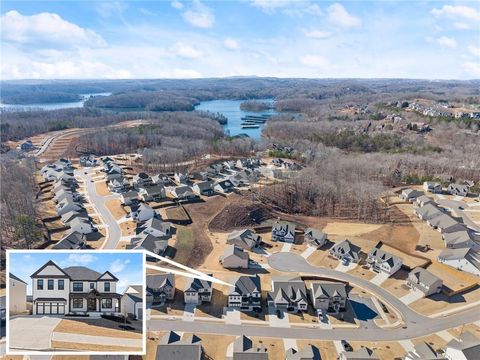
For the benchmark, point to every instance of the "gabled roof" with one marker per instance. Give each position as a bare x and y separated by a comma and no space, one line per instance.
73,240
243,344
158,281
309,352
236,251
424,276
245,285
245,236
314,233
16,278
321,289
457,237
82,273
108,273
363,353
204,185
424,351
443,221
346,247
383,256
196,284
428,211
469,345
156,224
49,263
149,242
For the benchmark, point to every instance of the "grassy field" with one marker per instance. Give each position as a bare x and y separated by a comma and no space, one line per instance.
184,245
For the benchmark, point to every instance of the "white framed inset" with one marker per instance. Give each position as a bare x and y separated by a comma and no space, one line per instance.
53,293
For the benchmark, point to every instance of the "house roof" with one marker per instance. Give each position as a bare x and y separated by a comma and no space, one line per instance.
16,278
245,236
173,347
424,351
73,240
321,289
158,281
48,263
380,255
453,254
153,190
196,284
314,233
243,344
183,190
309,352
443,221
246,285
457,237
286,226
204,185
346,247
235,251
288,288
469,345
424,276
428,211
82,273
156,224
458,187
149,242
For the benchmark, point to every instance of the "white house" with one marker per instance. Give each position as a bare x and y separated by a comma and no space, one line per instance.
461,259
132,302
143,213
458,189
74,289
433,187
425,281
197,291
17,295
283,231
380,260
234,258
315,238
467,347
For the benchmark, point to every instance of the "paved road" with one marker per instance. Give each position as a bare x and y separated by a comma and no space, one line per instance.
416,325
456,207
44,146
114,231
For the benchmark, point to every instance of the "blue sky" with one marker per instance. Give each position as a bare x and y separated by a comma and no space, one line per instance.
127,267
281,38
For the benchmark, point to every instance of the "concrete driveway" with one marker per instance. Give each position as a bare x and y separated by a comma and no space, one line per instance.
32,332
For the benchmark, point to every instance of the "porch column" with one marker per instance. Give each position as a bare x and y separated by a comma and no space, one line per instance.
119,307
98,304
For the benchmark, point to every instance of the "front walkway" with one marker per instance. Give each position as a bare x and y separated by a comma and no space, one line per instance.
380,278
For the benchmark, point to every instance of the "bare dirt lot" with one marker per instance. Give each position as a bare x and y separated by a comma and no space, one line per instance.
95,327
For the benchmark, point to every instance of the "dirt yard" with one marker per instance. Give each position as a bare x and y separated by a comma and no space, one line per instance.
116,208
95,327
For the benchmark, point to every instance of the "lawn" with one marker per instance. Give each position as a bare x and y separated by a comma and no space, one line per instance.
184,244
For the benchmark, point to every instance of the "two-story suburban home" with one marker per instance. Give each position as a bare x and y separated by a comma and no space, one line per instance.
463,259
175,347
141,180
423,280
73,290
245,239
328,297
467,347
129,197
442,222
345,251
423,200
283,231
410,195
183,192
204,188
433,187
181,178
244,348
17,294
458,239
118,185
423,351
142,213
309,352
132,302
149,242
197,291
382,261
288,294
156,227
71,241
88,160
427,211
160,288
458,189
247,294
315,238
234,258
152,193
223,186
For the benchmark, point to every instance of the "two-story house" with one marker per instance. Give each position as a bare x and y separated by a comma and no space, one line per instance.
328,297
73,290
160,289
283,231
247,294
380,260
17,294
425,281
197,291
288,293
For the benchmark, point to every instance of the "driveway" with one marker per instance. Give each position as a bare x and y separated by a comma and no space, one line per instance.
32,332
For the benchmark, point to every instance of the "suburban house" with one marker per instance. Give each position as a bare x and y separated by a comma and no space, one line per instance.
380,260
363,353
283,231
143,213
315,238
174,346
410,195
223,186
433,187
288,293
113,172
141,180
442,222
423,351
467,347
152,193
17,292
69,216
81,225
458,189
146,241
234,258
155,227
66,205
160,288
345,251
71,241
181,178
244,349
328,297
427,211
183,192
247,294
458,239
132,302
160,179
74,289
248,163
129,197
203,188
425,281
88,160
245,239
197,291
309,352
118,185
464,259
26,145
423,200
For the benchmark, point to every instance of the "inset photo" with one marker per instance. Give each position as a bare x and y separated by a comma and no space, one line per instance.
72,302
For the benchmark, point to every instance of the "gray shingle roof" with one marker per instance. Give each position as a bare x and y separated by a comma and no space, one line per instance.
246,285
424,276
329,289
82,273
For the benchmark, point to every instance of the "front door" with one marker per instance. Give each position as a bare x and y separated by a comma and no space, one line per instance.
92,305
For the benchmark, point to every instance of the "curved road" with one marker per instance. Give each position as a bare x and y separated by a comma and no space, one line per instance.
114,231
416,325
457,207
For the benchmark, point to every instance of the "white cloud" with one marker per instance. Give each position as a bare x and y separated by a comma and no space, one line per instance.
46,29
177,4
475,50
78,260
288,7
338,15
316,61
199,15
231,44
108,9
117,266
446,41
462,26
457,11
317,34
186,51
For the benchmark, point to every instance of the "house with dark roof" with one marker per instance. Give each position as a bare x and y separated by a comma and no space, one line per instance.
141,180
433,187
423,280
328,296
71,241
458,189
152,193
73,290
427,211
132,302
345,251
197,291
283,231
309,352
288,294
245,239
204,188
149,242
118,185
160,288
247,294
314,237
129,197
183,192
17,292
423,351
423,200
234,258
380,260
223,186
467,347
442,222
172,346
245,349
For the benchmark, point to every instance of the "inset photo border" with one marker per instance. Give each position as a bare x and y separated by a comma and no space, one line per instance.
70,302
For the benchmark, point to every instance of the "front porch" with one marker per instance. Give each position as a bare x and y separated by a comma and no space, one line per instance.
95,303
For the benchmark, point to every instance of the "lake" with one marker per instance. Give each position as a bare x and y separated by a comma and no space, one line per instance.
50,106
231,109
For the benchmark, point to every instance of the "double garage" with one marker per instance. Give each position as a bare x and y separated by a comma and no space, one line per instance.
50,307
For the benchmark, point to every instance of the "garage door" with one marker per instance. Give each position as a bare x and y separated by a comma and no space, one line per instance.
52,308
40,308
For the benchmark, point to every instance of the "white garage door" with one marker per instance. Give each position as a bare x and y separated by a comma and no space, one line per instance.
50,308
